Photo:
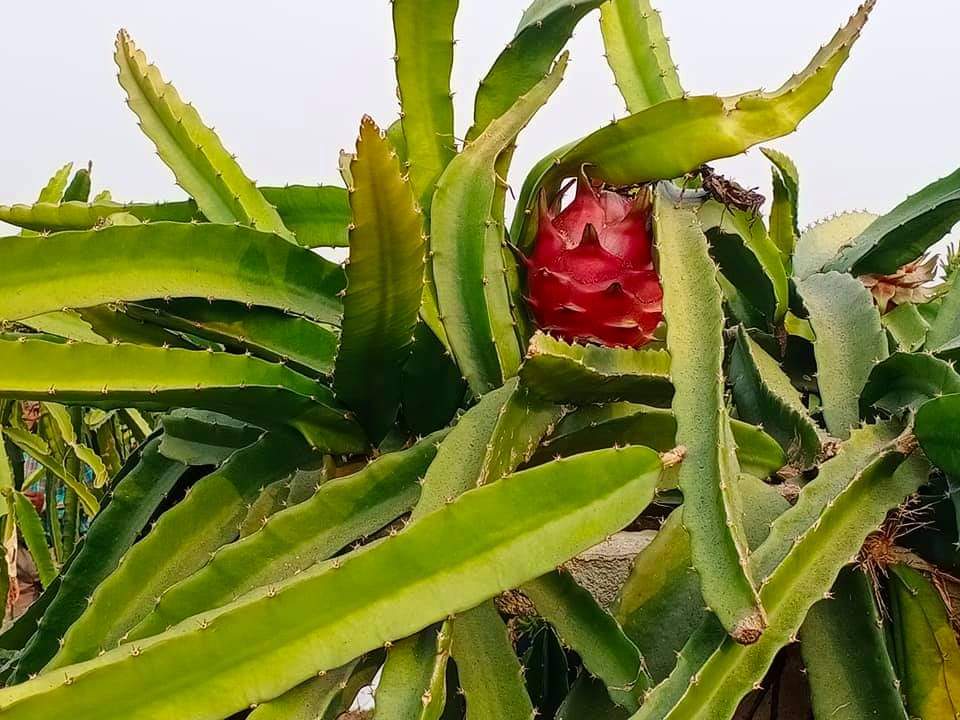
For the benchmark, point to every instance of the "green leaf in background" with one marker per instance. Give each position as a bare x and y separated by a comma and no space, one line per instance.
765,396
306,346
31,527
317,214
907,326
137,492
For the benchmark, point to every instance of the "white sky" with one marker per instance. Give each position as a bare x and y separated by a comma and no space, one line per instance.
285,84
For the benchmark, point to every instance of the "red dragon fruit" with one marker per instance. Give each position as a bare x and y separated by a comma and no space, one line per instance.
590,277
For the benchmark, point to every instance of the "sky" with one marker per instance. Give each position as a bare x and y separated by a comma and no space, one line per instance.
286,83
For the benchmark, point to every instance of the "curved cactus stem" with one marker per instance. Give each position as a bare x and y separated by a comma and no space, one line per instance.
692,307
583,625
101,324
867,447
925,645
413,684
638,52
311,700
460,457
424,61
489,671
384,283
302,344
192,151
844,652
748,258
466,245
522,423
596,427
179,544
850,341
269,502
659,605
289,542
194,437
543,31
764,395
905,232
784,209
697,129
908,380
823,240
157,378
112,323
496,537
583,374
141,486
800,559
163,260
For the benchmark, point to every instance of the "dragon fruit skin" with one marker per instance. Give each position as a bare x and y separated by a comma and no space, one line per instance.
591,277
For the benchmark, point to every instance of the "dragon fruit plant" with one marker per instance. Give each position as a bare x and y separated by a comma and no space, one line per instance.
388,473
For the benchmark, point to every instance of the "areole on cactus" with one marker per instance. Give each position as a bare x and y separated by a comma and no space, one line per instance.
304,476
591,277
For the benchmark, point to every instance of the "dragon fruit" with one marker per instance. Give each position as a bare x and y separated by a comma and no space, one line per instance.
590,277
